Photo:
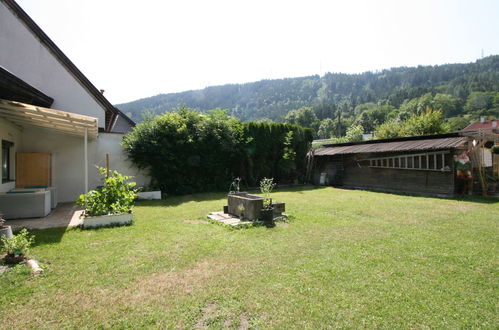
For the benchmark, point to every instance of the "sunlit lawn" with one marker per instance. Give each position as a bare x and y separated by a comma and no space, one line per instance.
346,259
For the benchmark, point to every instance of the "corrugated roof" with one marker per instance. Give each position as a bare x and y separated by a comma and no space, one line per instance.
414,145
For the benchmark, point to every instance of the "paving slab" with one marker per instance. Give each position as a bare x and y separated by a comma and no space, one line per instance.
64,215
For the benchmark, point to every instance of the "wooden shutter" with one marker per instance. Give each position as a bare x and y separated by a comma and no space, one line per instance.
33,169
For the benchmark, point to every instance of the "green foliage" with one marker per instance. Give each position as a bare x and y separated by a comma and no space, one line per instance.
427,123
483,104
354,134
273,99
389,129
18,245
287,164
326,129
305,117
266,187
372,115
116,196
187,151
458,123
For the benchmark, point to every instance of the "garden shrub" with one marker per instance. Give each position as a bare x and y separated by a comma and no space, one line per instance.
186,151
116,196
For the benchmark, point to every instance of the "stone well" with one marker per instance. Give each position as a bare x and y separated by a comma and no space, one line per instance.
251,205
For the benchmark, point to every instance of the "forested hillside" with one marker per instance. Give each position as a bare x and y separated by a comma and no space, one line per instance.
462,91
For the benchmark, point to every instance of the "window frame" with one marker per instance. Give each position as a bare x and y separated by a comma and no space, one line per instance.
415,161
6,145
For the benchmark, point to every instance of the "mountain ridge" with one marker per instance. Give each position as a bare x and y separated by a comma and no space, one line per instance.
274,98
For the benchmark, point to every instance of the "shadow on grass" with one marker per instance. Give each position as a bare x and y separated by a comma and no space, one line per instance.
204,197
49,235
467,198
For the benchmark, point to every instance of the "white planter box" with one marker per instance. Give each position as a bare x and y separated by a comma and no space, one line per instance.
150,194
108,220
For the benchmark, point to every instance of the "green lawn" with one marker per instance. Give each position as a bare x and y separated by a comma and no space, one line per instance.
346,258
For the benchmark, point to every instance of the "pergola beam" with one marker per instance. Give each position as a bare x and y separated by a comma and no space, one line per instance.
68,123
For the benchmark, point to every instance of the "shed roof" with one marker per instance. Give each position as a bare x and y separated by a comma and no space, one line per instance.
405,144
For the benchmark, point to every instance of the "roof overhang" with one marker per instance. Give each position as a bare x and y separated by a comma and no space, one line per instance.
23,114
409,144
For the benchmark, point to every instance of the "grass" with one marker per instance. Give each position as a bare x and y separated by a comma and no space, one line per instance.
349,259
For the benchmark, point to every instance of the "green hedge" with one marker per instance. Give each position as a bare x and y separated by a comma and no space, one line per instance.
186,151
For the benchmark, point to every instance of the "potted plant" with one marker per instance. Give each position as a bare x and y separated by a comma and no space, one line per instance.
111,204
5,231
267,212
16,247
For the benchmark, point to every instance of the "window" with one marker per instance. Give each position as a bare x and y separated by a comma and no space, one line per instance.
430,161
6,145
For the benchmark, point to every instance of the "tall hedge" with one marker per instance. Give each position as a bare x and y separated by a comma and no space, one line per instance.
186,151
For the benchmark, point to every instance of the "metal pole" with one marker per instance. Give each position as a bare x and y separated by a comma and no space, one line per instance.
86,160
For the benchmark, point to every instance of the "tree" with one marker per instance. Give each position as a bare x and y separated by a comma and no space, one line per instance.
427,123
388,130
448,104
372,115
458,123
326,129
354,133
305,117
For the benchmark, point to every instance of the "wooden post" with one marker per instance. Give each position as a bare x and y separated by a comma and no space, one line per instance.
107,165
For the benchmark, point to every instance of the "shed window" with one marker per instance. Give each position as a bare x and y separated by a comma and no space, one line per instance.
431,161
6,145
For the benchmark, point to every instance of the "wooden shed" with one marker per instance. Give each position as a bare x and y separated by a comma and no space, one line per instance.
417,164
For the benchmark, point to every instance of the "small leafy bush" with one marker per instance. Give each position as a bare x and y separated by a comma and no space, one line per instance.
266,187
18,245
116,196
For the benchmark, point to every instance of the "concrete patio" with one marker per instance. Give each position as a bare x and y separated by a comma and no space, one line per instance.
64,215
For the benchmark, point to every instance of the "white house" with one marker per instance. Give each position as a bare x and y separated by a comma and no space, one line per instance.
55,126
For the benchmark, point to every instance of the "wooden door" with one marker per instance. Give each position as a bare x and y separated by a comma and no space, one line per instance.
33,169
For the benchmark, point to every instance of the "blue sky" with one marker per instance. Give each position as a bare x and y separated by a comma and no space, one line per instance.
136,49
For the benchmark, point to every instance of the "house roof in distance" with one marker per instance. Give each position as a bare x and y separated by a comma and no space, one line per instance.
407,144
485,124
66,62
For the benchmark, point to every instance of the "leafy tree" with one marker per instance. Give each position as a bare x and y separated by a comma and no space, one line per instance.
305,117
187,151
448,104
389,129
372,115
326,129
427,123
458,123
354,133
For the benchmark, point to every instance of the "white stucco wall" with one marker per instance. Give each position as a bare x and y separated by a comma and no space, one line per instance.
68,161
110,143
122,125
11,133
24,56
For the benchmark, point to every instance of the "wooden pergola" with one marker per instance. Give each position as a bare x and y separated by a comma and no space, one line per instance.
27,115
22,114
